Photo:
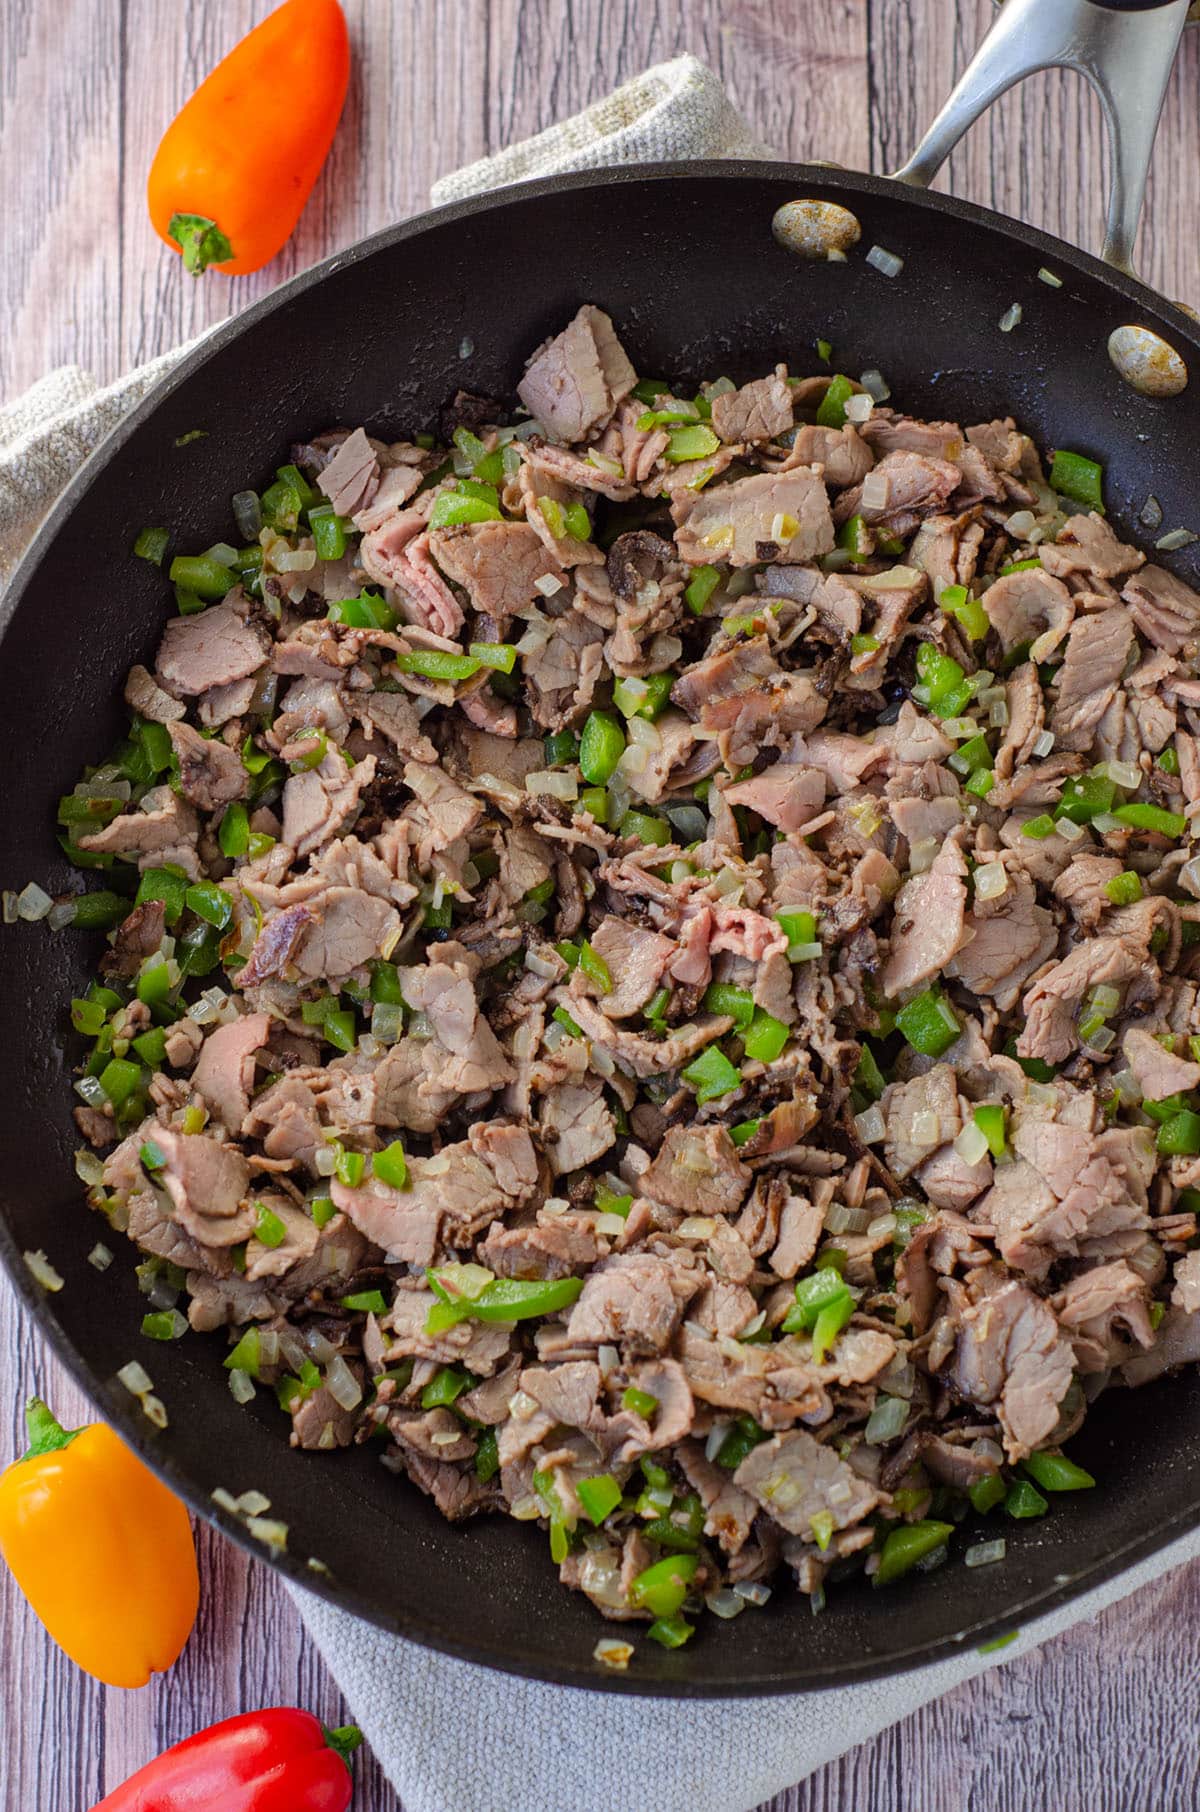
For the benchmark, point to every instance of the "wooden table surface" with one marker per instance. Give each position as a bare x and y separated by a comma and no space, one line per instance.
1100,1718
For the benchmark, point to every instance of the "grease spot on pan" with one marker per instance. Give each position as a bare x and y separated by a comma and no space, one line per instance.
816,229
1146,362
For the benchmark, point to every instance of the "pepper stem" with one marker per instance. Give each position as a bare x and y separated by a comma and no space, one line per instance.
46,1434
343,1740
200,240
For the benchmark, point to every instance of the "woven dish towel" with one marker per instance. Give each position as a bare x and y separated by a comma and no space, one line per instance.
453,1737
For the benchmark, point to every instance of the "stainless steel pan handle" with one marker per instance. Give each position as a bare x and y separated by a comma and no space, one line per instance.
1126,53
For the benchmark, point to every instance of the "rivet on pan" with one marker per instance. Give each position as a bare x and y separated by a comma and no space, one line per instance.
1146,362
815,229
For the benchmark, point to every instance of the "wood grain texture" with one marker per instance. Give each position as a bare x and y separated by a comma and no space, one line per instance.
1102,1716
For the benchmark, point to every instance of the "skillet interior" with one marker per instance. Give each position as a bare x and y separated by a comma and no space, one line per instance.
683,259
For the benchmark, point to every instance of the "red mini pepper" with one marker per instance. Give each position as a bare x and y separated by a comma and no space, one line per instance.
264,1761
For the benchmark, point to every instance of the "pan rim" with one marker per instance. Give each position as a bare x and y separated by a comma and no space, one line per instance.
838,183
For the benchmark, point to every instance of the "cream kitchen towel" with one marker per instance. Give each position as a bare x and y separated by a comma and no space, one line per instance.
453,1737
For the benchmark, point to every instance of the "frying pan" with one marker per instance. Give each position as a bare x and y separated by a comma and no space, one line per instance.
683,258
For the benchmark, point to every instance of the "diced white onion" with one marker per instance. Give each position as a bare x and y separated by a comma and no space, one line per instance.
601,1060
859,408
612,1226
387,1022
342,1385
253,1503
971,1144
922,854
991,880
960,728
1011,317
1179,537
1124,774
870,1125
611,1652
135,1378
894,578
1104,998
291,1348
885,262
1043,742
1068,830
882,1227
274,1534
926,1128
753,1591
875,385
9,907
998,714
88,1167
725,1604
840,1219
1151,513
100,1258
325,1161
1047,276
876,489
805,953
1101,1039
1189,875
61,915
553,781
548,584
155,1411
556,1204
33,903
696,1226
985,1553
716,1439
886,1421
43,1271
1020,523
241,1385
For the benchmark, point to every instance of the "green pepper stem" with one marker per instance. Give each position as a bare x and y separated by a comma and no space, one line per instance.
200,240
46,1434
344,1740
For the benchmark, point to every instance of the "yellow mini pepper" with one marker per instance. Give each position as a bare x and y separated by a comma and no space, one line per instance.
102,1551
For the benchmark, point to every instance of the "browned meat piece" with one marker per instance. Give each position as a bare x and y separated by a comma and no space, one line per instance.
636,959
434,1434
795,1479
299,1242
928,927
787,795
1072,1192
207,1183
1010,1354
1049,1006
151,838
561,675
697,1169
275,945
1097,650
458,1493
211,774
1186,1288
776,1384
224,1075
573,382
634,1053
758,411
551,1248
801,1224
144,695
576,1126
635,1301
1029,606
351,478
397,555
947,549
843,452
474,1059
1009,937
1026,718
135,938
1102,1311
394,715
320,801
729,1512
319,1423
285,1118
774,516
1156,1070
1087,546
920,1116
900,434
1165,610
462,1189
212,648
498,564
899,492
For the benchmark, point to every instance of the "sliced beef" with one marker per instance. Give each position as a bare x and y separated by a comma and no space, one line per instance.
1011,1355
351,478
320,801
795,1478
636,1302
636,959
212,648
211,774
1087,547
497,563
224,1075
1097,649
697,1169
207,1182
775,516
144,695
1164,609
762,410
574,382
929,925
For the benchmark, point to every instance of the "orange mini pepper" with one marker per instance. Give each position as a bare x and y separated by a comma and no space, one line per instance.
102,1551
237,164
